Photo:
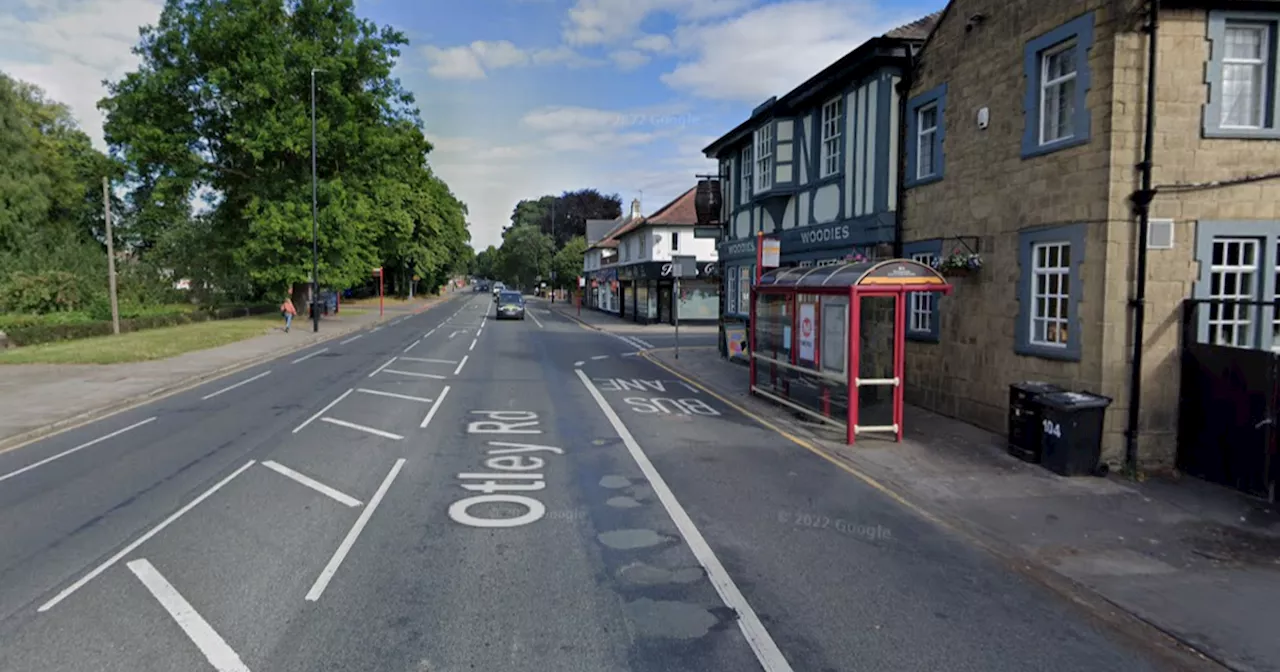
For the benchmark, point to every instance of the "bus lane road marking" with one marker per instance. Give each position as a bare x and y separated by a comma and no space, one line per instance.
668,404
513,470
753,630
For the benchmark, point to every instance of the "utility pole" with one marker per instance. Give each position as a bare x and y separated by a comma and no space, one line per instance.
553,251
315,225
111,257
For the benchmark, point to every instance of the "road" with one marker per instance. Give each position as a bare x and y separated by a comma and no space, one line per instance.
453,493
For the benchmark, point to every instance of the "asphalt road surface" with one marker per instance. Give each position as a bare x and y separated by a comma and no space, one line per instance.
451,492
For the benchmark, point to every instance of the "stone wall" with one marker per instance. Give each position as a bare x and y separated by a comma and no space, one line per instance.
1181,156
988,190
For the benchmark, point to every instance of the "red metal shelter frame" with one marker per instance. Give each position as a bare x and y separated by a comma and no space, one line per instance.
895,278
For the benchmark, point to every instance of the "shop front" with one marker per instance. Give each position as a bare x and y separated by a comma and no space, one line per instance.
651,295
818,245
602,290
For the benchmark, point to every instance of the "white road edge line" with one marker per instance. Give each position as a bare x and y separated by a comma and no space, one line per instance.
380,368
394,395
232,387
412,345
371,430
434,407
66,592
762,644
430,360
215,649
321,412
535,319
416,375
306,357
326,575
311,483
77,449
350,339
473,345
460,365
375,330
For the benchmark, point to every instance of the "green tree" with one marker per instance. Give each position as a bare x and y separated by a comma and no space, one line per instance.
486,262
525,256
568,262
221,104
51,226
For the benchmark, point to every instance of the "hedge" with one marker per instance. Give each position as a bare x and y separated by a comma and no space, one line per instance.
35,334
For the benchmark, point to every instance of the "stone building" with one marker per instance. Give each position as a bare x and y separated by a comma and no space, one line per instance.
1025,124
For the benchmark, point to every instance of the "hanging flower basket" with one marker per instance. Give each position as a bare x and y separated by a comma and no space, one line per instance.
959,264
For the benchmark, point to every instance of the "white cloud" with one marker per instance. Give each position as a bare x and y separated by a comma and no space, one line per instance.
607,21
586,119
770,50
629,59
655,43
567,148
475,60
68,48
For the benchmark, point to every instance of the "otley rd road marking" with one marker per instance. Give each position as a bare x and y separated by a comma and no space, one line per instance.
509,461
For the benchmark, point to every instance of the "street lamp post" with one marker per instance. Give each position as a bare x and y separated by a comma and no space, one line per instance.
315,226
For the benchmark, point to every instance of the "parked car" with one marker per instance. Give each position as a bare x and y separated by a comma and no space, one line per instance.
510,306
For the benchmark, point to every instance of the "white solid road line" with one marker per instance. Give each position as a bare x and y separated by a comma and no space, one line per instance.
321,411
394,395
535,319
415,374
434,407
77,449
350,339
306,357
380,368
762,644
430,360
210,643
412,345
311,483
352,425
140,540
330,569
232,387
461,364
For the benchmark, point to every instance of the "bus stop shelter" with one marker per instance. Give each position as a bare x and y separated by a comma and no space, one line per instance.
829,341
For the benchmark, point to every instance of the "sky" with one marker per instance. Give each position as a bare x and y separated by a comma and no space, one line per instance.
522,98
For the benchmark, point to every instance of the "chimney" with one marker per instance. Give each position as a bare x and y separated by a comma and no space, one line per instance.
635,208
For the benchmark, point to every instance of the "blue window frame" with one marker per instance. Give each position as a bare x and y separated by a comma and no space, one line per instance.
1056,66
1049,291
926,132
1239,260
923,308
1242,77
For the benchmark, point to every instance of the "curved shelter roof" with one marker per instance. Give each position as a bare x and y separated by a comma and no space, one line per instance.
892,274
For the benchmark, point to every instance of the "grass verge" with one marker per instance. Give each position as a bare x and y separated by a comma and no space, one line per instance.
140,346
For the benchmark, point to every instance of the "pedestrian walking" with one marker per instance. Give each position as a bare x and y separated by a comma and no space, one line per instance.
288,311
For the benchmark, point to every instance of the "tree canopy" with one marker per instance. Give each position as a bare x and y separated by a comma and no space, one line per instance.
221,106
562,221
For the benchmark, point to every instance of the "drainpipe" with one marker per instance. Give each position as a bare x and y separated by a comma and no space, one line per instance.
904,90
1142,202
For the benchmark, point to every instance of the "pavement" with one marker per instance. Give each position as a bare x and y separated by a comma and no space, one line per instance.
1194,562
36,399
455,493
